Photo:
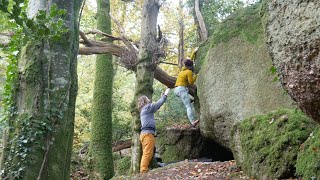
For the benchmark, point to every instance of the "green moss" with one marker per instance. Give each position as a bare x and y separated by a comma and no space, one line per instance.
264,13
270,143
245,24
122,165
174,146
172,154
201,56
308,162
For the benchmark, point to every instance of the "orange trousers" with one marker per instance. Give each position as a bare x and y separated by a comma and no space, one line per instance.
148,142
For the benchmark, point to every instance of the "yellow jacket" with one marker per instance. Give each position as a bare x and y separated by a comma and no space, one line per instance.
185,77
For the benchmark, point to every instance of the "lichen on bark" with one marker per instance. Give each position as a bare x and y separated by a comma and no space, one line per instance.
43,125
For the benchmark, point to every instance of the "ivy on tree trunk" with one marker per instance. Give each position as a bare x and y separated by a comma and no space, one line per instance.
40,133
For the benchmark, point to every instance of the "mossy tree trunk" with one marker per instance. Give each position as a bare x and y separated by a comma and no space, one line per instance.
144,74
101,131
40,135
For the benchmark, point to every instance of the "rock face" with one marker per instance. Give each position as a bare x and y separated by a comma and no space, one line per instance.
267,146
175,144
179,144
293,35
235,81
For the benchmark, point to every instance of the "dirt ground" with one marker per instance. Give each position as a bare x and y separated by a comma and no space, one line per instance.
192,170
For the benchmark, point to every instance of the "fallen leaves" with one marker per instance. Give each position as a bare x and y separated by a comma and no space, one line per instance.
189,169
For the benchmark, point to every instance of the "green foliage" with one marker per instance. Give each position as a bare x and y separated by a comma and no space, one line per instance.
121,164
45,27
271,142
123,87
32,130
273,71
172,111
201,56
122,96
308,162
244,24
215,11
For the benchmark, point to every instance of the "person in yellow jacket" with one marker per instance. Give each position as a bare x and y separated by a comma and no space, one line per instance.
186,77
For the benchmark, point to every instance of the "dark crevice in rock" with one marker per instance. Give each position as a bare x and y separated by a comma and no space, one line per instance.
214,151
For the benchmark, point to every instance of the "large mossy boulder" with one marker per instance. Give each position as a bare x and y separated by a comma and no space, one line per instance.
293,37
308,163
174,144
235,80
267,146
177,143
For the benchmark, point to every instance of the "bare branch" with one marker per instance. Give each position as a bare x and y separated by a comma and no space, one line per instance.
4,43
85,39
120,145
123,37
163,62
128,56
107,48
113,38
8,34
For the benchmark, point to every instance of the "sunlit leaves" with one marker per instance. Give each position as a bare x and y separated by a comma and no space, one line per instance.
215,11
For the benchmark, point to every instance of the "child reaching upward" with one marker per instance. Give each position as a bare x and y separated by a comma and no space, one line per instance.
148,127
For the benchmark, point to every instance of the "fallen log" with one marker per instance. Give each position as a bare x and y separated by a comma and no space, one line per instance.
120,145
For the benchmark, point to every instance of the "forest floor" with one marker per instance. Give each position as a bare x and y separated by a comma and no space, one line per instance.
188,170
194,170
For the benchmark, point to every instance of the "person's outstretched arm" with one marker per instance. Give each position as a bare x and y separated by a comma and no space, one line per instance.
155,106
193,54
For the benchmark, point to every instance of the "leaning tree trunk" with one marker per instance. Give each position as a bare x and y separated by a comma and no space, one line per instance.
181,35
101,126
293,35
41,133
203,30
144,74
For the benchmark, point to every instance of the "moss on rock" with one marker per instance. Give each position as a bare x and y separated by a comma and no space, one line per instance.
244,24
178,144
308,162
269,143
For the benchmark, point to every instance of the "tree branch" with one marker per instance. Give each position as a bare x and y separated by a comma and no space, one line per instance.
4,43
128,60
128,57
113,38
85,39
120,145
163,62
9,34
123,37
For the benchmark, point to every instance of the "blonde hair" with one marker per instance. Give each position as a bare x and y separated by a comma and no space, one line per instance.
142,101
